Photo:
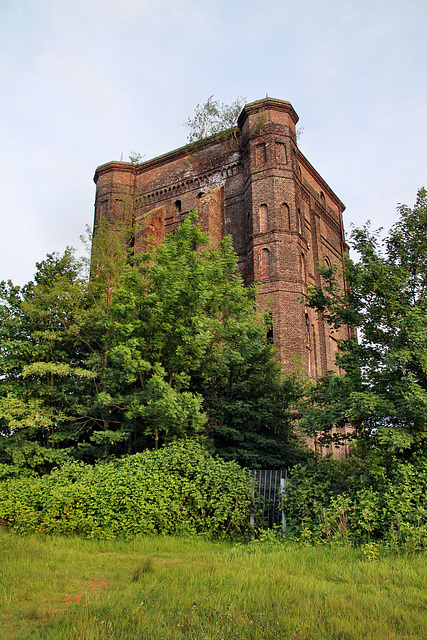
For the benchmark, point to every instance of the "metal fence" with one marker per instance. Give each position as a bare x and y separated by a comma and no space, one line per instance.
268,487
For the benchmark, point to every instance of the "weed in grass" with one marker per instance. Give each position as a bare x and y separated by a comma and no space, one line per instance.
136,574
146,567
370,551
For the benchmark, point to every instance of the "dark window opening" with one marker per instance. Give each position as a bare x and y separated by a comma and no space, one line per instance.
177,207
268,321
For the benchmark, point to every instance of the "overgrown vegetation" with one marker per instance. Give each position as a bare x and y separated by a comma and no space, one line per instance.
180,489
165,350
383,393
380,492
359,501
214,118
149,349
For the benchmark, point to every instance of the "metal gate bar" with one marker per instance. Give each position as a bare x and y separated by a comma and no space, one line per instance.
268,485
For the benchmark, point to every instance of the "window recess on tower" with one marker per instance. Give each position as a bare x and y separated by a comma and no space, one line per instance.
286,215
300,222
200,203
322,199
260,154
281,157
303,269
268,321
265,264
307,330
177,209
102,210
263,218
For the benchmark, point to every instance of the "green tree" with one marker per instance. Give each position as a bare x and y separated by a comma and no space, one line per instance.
214,118
383,393
42,364
150,348
195,354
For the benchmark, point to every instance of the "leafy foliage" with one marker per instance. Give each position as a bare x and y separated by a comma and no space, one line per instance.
384,392
214,118
359,500
149,349
42,364
135,157
179,489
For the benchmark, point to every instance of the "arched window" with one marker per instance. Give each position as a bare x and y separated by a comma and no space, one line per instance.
300,222
286,215
307,329
263,218
265,264
303,269
322,198
314,349
200,204
268,321
177,208
334,349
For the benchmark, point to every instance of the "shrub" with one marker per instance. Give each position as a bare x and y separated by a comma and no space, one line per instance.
179,489
359,501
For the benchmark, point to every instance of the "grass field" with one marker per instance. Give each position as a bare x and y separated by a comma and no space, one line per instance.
171,588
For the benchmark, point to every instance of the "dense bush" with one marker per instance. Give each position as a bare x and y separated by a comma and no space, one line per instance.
359,501
178,489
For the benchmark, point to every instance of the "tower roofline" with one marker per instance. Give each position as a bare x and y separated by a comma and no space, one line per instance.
309,167
163,159
114,165
272,104
249,109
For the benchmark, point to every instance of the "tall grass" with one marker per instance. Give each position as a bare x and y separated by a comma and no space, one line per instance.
171,588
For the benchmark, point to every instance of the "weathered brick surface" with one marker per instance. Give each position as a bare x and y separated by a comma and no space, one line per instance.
282,215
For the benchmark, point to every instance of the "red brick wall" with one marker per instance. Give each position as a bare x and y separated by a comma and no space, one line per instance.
281,214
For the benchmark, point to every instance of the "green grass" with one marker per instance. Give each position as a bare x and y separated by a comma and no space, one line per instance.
170,588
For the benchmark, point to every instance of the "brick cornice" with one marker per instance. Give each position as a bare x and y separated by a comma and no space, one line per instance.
114,166
188,150
266,104
309,167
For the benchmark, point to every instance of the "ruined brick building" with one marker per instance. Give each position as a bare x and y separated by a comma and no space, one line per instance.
259,188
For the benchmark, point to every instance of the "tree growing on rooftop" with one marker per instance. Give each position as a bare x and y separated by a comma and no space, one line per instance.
213,118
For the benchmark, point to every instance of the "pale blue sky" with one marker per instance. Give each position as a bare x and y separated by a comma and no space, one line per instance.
84,81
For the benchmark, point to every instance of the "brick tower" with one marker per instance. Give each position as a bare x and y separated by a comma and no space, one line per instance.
259,188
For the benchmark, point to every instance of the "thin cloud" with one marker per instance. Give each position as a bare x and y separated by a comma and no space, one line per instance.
85,80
